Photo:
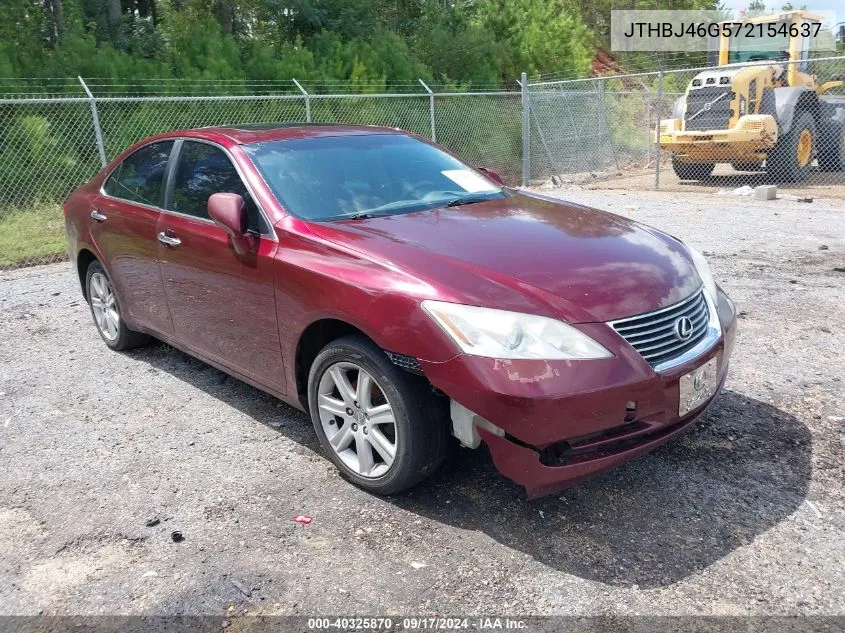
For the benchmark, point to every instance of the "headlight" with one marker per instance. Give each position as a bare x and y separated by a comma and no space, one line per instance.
703,269
502,334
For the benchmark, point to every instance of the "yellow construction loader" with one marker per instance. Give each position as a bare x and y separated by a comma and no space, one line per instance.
771,116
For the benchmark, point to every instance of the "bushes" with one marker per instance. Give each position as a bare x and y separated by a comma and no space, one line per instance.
45,151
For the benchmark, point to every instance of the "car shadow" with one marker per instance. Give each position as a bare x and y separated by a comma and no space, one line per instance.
742,469
258,405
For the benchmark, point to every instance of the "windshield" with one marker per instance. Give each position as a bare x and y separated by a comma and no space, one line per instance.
337,177
764,41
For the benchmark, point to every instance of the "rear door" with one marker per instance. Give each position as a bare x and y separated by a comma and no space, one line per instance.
222,303
123,227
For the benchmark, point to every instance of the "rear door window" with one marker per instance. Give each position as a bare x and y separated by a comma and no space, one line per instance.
203,170
140,177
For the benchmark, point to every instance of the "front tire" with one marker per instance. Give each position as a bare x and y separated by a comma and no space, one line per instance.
791,159
692,171
747,166
105,308
379,424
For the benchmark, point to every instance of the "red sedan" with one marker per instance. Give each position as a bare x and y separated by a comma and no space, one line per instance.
401,297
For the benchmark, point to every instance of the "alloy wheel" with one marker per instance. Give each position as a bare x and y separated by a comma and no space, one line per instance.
357,419
104,306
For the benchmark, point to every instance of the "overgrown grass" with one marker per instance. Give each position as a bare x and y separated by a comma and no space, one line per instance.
30,236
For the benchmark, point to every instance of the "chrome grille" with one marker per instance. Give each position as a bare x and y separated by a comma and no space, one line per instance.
655,335
706,110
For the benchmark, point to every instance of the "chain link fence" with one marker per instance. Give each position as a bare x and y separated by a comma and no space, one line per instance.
597,133
50,144
601,132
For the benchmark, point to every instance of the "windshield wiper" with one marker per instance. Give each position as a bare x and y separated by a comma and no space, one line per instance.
457,202
411,205
361,215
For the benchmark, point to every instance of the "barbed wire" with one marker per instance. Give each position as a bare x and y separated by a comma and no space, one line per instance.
44,87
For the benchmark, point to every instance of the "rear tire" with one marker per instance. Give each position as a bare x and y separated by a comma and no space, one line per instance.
105,308
382,457
832,152
692,171
791,159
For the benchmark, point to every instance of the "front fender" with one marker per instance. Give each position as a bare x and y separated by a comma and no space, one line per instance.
787,101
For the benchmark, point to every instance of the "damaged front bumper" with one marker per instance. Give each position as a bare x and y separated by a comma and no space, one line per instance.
549,424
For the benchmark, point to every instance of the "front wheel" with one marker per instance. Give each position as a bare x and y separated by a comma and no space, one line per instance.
105,308
747,166
692,171
791,159
379,425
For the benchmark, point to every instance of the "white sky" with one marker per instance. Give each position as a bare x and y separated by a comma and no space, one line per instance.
818,5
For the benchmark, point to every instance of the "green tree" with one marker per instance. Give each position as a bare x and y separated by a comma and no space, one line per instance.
538,35
755,8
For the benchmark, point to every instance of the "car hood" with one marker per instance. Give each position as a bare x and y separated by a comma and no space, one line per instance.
530,254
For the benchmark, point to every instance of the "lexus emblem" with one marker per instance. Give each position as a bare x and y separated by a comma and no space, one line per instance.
683,329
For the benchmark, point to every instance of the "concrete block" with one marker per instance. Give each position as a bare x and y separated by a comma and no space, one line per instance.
766,192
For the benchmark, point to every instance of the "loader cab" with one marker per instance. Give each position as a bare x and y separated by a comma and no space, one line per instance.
776,38
748,46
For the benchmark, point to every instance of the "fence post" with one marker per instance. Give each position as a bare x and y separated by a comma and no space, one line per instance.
98,132
526,132
307,101
430,110
657,131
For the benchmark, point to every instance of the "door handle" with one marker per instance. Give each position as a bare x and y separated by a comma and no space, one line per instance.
97,216
167,240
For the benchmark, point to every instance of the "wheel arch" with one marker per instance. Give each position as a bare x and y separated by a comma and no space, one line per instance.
313,338
83,260
789,101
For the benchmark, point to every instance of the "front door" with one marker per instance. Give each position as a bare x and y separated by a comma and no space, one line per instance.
222,303
123,226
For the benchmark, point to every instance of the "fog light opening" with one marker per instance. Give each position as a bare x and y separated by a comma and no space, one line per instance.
631,411
556,454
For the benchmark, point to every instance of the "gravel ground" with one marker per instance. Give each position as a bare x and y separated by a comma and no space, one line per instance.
828,185
105,454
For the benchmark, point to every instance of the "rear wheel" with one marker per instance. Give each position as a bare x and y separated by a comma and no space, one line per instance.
692,171
832,152
105,308
377,423
791,159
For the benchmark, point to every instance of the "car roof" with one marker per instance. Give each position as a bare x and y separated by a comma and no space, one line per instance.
259,132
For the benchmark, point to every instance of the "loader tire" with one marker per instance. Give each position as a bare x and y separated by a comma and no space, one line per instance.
791,160
692,171
832,152
747,166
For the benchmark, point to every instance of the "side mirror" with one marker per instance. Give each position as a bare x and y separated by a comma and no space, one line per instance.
228,210
492,175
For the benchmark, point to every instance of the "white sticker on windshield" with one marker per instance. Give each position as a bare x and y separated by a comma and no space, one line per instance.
469,180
